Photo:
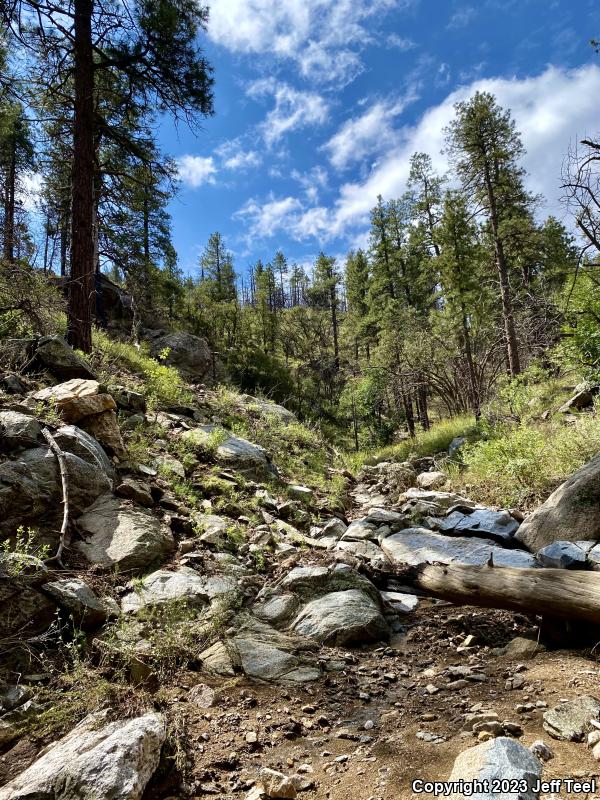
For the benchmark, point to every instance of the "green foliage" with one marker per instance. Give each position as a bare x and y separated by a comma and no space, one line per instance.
160,383
425,443
521,465
20,550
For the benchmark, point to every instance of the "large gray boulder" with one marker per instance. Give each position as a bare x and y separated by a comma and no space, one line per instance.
55,355
500,759
25,611
97,759
265,408
81,444
88,610
342,618
571,513
190,354
120,534
18,430
232,451
31,488
184,585
416,546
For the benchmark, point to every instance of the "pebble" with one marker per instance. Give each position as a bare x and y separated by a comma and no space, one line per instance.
542,750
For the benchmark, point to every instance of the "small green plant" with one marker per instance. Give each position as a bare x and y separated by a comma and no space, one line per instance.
19,552
47,411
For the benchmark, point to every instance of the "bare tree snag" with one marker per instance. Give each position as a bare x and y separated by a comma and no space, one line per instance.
64,476
560,593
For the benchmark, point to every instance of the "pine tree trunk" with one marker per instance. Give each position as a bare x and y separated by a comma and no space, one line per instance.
475,401
81,281
9,206
512,346
334,325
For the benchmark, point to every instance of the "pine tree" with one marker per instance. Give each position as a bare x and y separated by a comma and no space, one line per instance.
485,148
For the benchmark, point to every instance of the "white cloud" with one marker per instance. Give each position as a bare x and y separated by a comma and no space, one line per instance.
550,110
312,182
371,133
462,17
293,108
194,171
324,37
29,194
234,157
266,219
402,43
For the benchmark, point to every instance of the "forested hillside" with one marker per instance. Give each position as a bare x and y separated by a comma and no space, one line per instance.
285,527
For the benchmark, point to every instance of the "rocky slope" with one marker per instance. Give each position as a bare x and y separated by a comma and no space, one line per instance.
212,626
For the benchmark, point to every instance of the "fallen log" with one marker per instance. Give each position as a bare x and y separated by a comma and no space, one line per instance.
557,593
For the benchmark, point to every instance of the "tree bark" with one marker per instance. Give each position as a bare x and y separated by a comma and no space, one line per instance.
81,281
560,593
512,346
9,205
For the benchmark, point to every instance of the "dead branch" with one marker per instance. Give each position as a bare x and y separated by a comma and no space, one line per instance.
64,476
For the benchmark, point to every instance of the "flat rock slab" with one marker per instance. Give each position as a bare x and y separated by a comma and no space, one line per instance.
76,399
185,585
415,546
342,618
119,534
570,721
97,759
562,555
400,601
484,522
500,759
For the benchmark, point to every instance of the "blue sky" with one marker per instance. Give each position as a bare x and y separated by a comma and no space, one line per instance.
319,104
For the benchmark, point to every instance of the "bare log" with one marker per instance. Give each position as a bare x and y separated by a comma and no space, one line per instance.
560,593
64,477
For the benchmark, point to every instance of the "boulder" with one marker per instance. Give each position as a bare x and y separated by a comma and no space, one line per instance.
73,440
76,596
500,759
76,399
334,527
213,528
431,480
277,785
562,555
521,649
18,430
580,400
184,584
55,355
137,491
25,610
97,759
400,601
265,408
570,721
571,513
232,451
122,535
416,546
30,486
105,428
484,522
190,354
342,618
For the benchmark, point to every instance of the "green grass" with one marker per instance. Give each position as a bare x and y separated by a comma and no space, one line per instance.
160,383
521,465
425,443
